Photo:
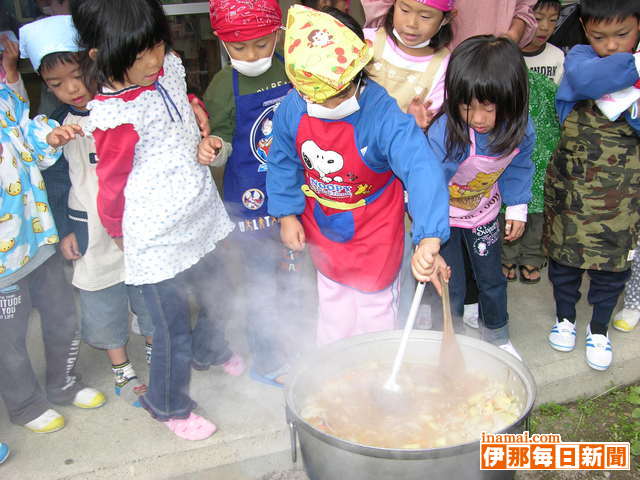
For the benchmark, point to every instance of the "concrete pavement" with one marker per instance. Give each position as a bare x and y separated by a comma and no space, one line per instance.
122,442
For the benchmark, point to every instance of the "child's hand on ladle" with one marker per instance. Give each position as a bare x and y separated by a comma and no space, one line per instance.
426,262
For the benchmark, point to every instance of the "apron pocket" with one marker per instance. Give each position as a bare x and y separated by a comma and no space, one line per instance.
339,227
80,226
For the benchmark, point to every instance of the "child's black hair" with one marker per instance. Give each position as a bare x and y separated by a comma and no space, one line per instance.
345,19
488,69
310,3
442,37
52,60
608,10
351,23
548,3
119,30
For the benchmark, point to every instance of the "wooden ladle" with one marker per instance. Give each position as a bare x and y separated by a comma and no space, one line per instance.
451,359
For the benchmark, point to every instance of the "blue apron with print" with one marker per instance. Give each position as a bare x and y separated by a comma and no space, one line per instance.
246,171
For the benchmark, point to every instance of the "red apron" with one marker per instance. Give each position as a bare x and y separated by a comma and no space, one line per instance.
353,218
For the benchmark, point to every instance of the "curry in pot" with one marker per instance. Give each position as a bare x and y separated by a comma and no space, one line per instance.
432,411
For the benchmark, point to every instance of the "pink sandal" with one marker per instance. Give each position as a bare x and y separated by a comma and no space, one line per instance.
193,428
234,366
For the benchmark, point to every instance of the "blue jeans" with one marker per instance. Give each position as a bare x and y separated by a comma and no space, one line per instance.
484,246
167,394
104,315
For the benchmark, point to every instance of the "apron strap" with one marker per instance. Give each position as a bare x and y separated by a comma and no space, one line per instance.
379,43
472,137
429,75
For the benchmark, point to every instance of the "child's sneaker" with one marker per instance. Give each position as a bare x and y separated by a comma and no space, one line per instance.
626,319
563,336
89,398
193,428
471,315
509,348
4,452
599,352
127,385
50,421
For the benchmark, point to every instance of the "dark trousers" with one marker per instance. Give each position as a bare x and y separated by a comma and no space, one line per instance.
484,246
167,396
604,290
527,250
47,290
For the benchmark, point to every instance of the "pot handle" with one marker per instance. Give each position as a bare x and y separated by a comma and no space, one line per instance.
293,435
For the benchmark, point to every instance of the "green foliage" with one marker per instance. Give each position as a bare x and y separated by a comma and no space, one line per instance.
612,416
551,409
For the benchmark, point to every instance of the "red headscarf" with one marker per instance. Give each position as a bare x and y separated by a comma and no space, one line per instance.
241,20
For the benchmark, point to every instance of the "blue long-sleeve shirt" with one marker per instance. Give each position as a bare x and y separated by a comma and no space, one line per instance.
387,138
515,181
588,76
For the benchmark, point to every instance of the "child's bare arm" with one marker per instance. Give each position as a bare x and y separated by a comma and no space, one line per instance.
60,136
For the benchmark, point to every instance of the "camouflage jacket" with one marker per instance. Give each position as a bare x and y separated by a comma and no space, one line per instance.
592,192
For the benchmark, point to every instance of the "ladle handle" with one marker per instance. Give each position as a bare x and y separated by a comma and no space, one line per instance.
411,320
446,306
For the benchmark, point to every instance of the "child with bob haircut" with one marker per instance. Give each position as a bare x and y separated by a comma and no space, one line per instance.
146,140
342,150
98,264
592,201
484,138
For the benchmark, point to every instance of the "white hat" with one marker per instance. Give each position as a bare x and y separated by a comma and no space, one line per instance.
48,35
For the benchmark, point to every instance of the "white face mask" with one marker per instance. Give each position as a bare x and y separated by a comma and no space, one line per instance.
252,69
419,45
346,108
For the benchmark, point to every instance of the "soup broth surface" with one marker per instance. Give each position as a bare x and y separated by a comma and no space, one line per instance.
430,411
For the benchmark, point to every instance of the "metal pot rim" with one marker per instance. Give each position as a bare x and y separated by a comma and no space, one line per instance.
393,336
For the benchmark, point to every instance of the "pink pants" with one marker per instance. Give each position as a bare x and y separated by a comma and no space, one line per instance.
345,312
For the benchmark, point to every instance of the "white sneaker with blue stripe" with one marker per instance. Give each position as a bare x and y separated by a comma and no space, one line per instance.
563,336
599,351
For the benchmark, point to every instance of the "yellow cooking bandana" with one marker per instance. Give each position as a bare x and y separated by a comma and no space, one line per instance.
322,55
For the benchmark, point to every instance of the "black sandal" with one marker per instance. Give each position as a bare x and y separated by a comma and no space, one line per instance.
511,271
528,280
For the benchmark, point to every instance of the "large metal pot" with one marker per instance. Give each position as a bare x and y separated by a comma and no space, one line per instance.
330,458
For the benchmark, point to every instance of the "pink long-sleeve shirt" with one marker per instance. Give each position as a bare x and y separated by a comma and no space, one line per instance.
492,17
